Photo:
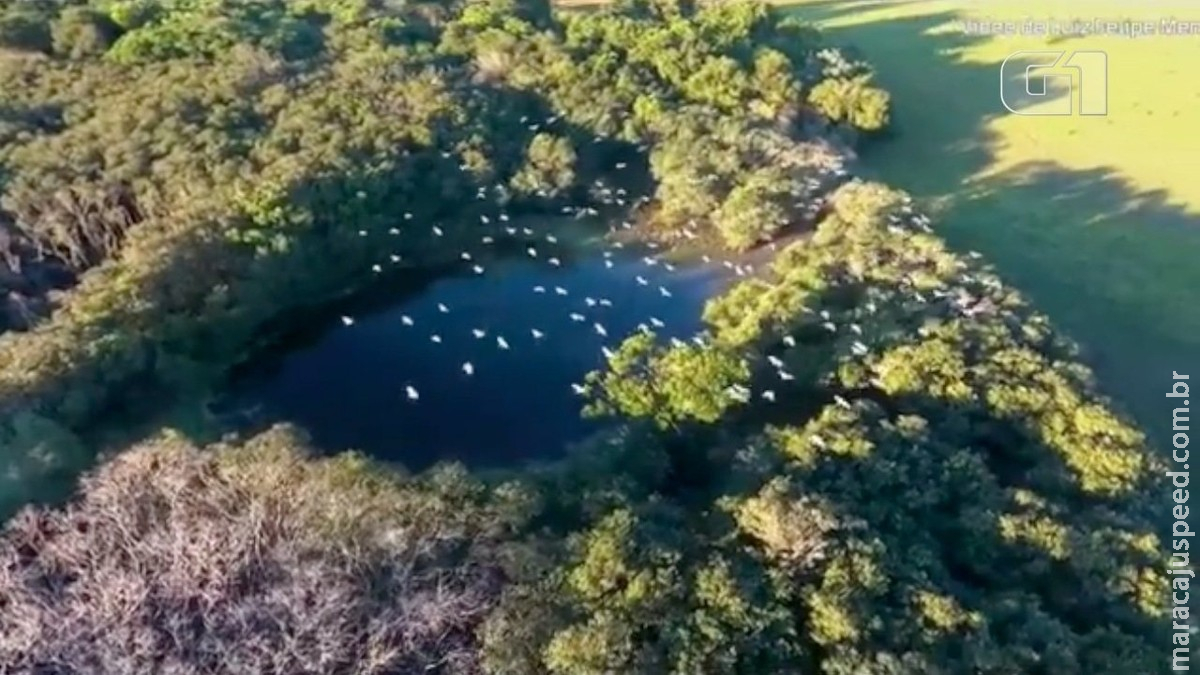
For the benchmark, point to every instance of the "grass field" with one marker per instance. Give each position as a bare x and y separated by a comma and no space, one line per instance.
1097,219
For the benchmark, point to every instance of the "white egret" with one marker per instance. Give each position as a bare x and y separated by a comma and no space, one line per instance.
591,302
406,320
859,348
605,302
376,269
532,252
394,231
465,256
362,233
600,330
789,340
552,239
608,264
487,240
786,376
829,326
578,389
641,280
501,342
443,308
437,231
394,258
435,338
478,269
775,361
539,289
412,393
468,368
841,402
347,321
537,334
656,322
555,261
560,290
769,395
664,292
577,317
478,333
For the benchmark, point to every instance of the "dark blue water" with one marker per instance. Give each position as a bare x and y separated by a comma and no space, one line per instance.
348,388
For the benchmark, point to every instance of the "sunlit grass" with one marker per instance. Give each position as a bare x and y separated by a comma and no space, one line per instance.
1095,218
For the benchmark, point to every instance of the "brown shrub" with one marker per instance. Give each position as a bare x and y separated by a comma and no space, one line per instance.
247,560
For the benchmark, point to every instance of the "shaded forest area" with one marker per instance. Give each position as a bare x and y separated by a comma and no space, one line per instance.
932,486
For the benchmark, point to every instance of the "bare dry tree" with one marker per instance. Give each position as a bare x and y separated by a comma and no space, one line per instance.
170,562
81,225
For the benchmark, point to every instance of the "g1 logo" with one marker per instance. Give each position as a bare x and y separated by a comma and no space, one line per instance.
1047,76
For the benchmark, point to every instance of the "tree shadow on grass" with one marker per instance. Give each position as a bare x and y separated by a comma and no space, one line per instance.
1109,264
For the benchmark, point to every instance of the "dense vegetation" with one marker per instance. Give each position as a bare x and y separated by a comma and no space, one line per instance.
934,488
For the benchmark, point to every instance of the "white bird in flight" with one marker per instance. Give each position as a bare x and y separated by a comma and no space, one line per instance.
537,334
478,333
406,320
560,290
347,321
437,231
412,393
436,338
443,308
600,330
501,342
468,368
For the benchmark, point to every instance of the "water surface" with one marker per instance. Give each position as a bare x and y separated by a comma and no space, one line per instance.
348,386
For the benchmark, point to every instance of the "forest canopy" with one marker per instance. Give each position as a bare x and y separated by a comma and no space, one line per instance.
936,487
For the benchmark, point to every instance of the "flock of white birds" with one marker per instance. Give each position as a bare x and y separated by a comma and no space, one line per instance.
547,248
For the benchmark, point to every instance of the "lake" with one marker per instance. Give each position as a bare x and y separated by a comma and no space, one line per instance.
347,385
